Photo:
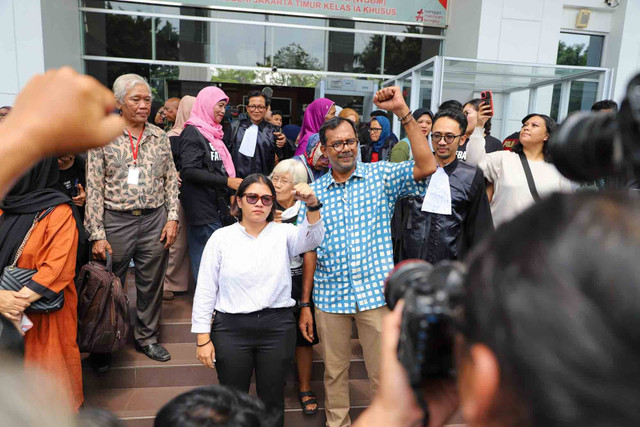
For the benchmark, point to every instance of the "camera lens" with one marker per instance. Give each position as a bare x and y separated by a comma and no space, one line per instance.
587,147
405,275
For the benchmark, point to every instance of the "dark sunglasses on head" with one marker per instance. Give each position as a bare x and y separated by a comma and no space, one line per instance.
252,199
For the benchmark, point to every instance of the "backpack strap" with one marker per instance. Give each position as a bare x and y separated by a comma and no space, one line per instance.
530,181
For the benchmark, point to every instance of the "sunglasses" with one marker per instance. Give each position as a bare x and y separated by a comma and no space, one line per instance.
252,199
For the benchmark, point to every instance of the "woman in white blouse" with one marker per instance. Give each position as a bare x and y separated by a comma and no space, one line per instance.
504,169
245,280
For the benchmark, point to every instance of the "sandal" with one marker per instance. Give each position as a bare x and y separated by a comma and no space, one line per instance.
305,403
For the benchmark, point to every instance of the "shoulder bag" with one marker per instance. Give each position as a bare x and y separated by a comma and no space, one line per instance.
14,278
530,181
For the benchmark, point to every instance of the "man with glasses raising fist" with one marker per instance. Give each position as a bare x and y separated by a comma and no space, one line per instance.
356,254
254,142
436,232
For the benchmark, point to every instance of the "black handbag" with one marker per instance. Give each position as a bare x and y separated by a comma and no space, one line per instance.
14,278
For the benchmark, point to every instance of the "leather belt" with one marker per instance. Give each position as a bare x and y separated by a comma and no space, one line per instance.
138,212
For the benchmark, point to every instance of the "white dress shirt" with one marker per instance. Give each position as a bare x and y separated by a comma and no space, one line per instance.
240,273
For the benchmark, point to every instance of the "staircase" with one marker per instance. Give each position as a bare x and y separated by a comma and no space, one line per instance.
137,387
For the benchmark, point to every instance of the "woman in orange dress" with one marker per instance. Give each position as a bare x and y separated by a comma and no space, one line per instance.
50,345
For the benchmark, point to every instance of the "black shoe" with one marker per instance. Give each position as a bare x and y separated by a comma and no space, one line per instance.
100,362
155,352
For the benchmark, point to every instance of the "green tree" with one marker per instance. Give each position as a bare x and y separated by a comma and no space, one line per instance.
225,75
292,56
401,53
571,54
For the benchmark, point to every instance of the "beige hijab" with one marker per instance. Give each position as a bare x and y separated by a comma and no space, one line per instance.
184,111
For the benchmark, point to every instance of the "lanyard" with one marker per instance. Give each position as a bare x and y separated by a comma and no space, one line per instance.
137,148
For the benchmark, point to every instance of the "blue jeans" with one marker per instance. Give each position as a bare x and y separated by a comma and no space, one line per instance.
197,238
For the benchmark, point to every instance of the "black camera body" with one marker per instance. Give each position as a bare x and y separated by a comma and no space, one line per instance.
432,313
594,145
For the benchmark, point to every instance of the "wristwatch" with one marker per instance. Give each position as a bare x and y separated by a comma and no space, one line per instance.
305,304
316,207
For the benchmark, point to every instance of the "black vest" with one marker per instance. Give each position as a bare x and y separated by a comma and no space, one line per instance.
434,237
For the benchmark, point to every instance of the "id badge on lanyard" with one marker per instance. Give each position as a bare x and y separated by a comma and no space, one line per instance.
133,177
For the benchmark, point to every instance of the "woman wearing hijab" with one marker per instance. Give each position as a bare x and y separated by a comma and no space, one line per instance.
402,150
291,132
314,161
380,148
178,275
319,111
51,250
206,170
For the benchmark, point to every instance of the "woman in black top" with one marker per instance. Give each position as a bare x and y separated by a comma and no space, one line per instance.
178,277
206,170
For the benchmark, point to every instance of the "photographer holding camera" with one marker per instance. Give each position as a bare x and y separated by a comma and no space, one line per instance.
541,330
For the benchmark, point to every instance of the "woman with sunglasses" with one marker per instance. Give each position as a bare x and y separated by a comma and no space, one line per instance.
244,284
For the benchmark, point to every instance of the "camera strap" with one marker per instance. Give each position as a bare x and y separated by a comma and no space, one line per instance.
529,175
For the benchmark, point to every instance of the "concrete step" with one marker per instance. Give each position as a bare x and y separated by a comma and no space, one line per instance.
138,406
131,369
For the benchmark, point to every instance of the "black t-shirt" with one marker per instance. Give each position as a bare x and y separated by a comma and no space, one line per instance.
203,192
491,144
175,150
70,178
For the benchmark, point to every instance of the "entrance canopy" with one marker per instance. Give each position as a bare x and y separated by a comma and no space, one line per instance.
518,88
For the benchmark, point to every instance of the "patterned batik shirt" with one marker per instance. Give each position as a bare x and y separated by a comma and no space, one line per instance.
107,178
357,254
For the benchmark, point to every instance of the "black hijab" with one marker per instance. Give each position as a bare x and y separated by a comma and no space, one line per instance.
32,194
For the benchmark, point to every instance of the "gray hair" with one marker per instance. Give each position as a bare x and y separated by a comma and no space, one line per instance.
294,167
125,83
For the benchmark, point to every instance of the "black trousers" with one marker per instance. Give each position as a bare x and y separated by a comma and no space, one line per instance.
263,341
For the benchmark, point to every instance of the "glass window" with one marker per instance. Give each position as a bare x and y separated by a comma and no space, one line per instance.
117,35
354,52
246,45
107,72
299,49
182,40
580,49
402,53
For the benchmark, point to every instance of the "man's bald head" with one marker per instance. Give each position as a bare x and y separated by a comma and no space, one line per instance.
171,108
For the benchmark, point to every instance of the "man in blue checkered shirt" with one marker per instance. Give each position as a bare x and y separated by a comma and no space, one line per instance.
357,254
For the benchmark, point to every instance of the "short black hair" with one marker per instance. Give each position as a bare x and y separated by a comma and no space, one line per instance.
376,113
277,113
213,406
253,179
256,93
606,104
452,113
542,278
331,125
452,103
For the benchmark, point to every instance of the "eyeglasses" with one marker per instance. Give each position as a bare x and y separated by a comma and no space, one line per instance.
339,145
256,107
252,199
375,130
448,138
283,181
